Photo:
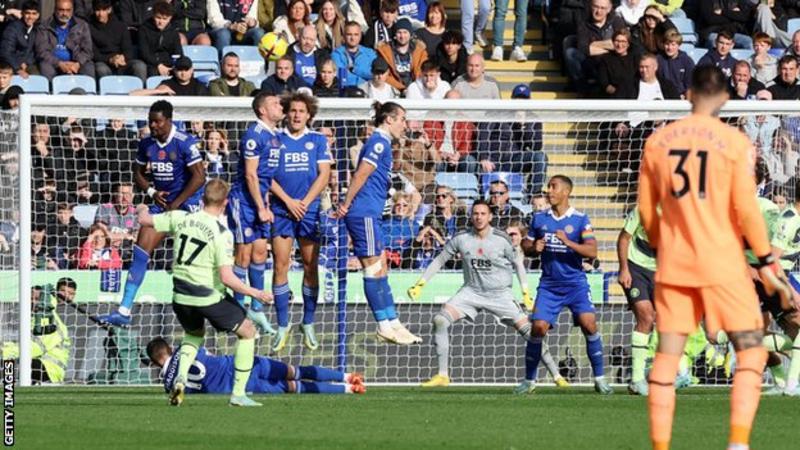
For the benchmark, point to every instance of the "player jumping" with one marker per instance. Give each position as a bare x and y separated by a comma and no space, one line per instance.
175,164
489,262
362,210
563,237
699,171
302,174
249,216
211,374
202,269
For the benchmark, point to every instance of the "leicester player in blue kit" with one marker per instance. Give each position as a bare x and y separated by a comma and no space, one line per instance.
175,164
249,216
302,174
210,374
563,237
362,210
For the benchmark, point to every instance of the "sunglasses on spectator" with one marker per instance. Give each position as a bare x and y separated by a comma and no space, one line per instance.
494,193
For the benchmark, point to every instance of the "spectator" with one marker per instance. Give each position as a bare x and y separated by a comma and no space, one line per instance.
520,26
382,30
44,204
378,87
16,47
405,57
43,256
135,14
159,42
617,69
472,28
447,218
42,161
6,73
75,161
540,202
119,218
267,13
435,26
794,49
772,19
97,252
399,230
353,59
452,56
326,84
674,65
516,231
84,194
594,41
474,84
181,83
631,11
284,79
649,85
230,84
785,85
413,10
731,16
215,152
64,44
64,236
116,149
765,66
235,23
9,11
648,35
429,85
306,55
113,50
190,21
427,246
297,18
454,141
415,157
720,55
503,212
330,26
742,85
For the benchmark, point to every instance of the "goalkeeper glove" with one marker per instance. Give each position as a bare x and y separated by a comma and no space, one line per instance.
415,291
527,300
774,280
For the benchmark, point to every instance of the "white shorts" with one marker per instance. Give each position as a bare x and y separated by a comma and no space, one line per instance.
501,304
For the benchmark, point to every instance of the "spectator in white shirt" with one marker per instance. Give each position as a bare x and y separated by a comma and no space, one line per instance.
429,85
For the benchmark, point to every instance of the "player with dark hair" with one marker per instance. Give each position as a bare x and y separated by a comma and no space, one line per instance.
249,216
175,164
210,374
699,172
301,175
563,237
362,210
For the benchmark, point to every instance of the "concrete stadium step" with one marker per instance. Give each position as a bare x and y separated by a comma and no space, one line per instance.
607,223
595,192
578,174
527,66
515,78
562,159
595,207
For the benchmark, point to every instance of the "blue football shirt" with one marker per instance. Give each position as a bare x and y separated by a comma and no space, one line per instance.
208,374
300,157
371,198
170,161
305,65
560,264
262,143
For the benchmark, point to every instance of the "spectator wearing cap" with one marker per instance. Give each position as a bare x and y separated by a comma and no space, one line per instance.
235,23
785,86
113,50
284,79
731,16
429,85
383,28
593,41
159,42
353,59
230,84
306,55
64,44
378,88
405,56
451,55
16,47
181,83
720,55
765,66
674,65
474,84
742,85
616,71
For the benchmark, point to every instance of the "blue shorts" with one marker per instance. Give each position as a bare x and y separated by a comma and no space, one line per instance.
268,377
243,221
550,300
194,204
307,228
367,235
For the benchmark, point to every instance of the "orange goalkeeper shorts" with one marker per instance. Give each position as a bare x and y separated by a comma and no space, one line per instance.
729,307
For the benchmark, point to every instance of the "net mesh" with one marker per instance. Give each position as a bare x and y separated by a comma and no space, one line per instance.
82,152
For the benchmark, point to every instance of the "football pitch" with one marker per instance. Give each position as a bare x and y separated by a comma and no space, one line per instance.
383,418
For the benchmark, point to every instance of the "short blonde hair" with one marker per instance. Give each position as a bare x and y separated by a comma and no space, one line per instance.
216,192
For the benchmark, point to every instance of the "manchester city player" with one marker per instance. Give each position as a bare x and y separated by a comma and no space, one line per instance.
301,175
362,210
175,164
563,237
249,216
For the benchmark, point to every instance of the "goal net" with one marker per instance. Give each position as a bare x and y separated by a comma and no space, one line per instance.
66,209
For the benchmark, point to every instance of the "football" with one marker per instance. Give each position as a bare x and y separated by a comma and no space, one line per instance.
272,46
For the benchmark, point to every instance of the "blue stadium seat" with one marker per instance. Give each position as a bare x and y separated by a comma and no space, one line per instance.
251,62
777,52
204,58
35,84
697,53
742,54
119,84
792,25
205,78
687,47
464,185
154,81
515,182
62,84
686,29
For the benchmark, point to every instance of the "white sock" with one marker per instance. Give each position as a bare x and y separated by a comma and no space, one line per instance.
791,385
124,311
348,388
395,323
738,447
599,379
384,325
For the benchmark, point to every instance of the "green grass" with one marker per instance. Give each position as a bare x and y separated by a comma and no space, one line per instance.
384,418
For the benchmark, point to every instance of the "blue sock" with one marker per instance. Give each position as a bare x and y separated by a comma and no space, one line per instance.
374,294
318,373
135,276
310,294
388,299
315,387
533,353
594,349
241,273
256,273
281,294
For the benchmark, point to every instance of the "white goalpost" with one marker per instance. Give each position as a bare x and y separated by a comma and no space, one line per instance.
72,152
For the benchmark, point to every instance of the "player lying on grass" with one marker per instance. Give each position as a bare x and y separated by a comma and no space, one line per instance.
201,272
210,374
490,262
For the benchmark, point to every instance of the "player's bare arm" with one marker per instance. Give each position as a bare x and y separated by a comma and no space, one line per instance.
230,280
623,243
197,181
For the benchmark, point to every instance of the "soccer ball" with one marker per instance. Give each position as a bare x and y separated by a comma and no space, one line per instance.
272,46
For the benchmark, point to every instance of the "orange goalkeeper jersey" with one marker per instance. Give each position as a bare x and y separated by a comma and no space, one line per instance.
701,173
